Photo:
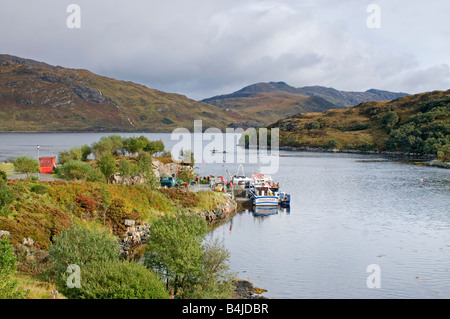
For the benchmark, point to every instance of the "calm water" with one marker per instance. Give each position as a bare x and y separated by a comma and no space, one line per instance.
347,212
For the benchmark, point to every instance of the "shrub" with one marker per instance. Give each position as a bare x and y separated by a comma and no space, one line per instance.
389,120
73,154
107,165
6,197
38,189
359,126
3,175
116,214
8,266
215,280
174,250
86,150
26,165
80,246
107,144
118,280
313,125
331,144
76,170
133,145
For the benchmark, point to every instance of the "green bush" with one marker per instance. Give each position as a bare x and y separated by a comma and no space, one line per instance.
313,125
8,266
215,280
118,280
102,274
27,165
3,175
107,165
80,246
174,249
86,150
192,270
359,126
73,154
6,197
389,120
331,144
39,189
76,170
107,144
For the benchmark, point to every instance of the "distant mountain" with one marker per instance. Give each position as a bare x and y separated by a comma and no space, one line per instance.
267,97
35,96
266,103
343,98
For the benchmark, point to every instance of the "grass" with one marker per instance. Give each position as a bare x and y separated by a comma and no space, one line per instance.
37,289
209,200
8,168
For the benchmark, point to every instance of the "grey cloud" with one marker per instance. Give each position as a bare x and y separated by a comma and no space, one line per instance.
202,48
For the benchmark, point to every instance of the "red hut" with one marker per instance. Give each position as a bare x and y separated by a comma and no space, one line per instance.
47,164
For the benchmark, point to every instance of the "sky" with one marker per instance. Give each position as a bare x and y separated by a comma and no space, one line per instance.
203,48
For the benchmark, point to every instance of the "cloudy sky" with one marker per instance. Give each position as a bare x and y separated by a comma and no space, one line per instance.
201,48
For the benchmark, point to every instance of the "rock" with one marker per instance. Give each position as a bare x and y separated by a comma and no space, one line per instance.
29,242
129,222
246,290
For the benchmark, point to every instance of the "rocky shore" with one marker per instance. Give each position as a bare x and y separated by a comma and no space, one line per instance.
429,159
136,235
246,290
326,150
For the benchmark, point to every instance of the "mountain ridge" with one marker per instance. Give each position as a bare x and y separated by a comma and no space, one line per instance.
36,96
337,97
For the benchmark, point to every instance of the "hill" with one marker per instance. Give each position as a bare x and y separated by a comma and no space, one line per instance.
35,96
417,123
266,103
269,102
344,98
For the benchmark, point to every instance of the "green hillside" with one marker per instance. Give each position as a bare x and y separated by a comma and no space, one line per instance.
413,124
35,96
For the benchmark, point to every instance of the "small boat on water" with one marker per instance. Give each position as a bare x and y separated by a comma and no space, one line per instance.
262,191
284,200
216,151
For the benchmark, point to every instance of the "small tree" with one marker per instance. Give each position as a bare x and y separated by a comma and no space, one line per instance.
73,154
215,280
145,168
86,150
174,250
8,266
134,145
106,200
26,165
107,165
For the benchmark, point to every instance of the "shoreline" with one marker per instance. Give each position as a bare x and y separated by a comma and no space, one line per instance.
428,159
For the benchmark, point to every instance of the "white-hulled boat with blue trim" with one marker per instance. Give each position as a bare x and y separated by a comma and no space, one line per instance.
263,191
